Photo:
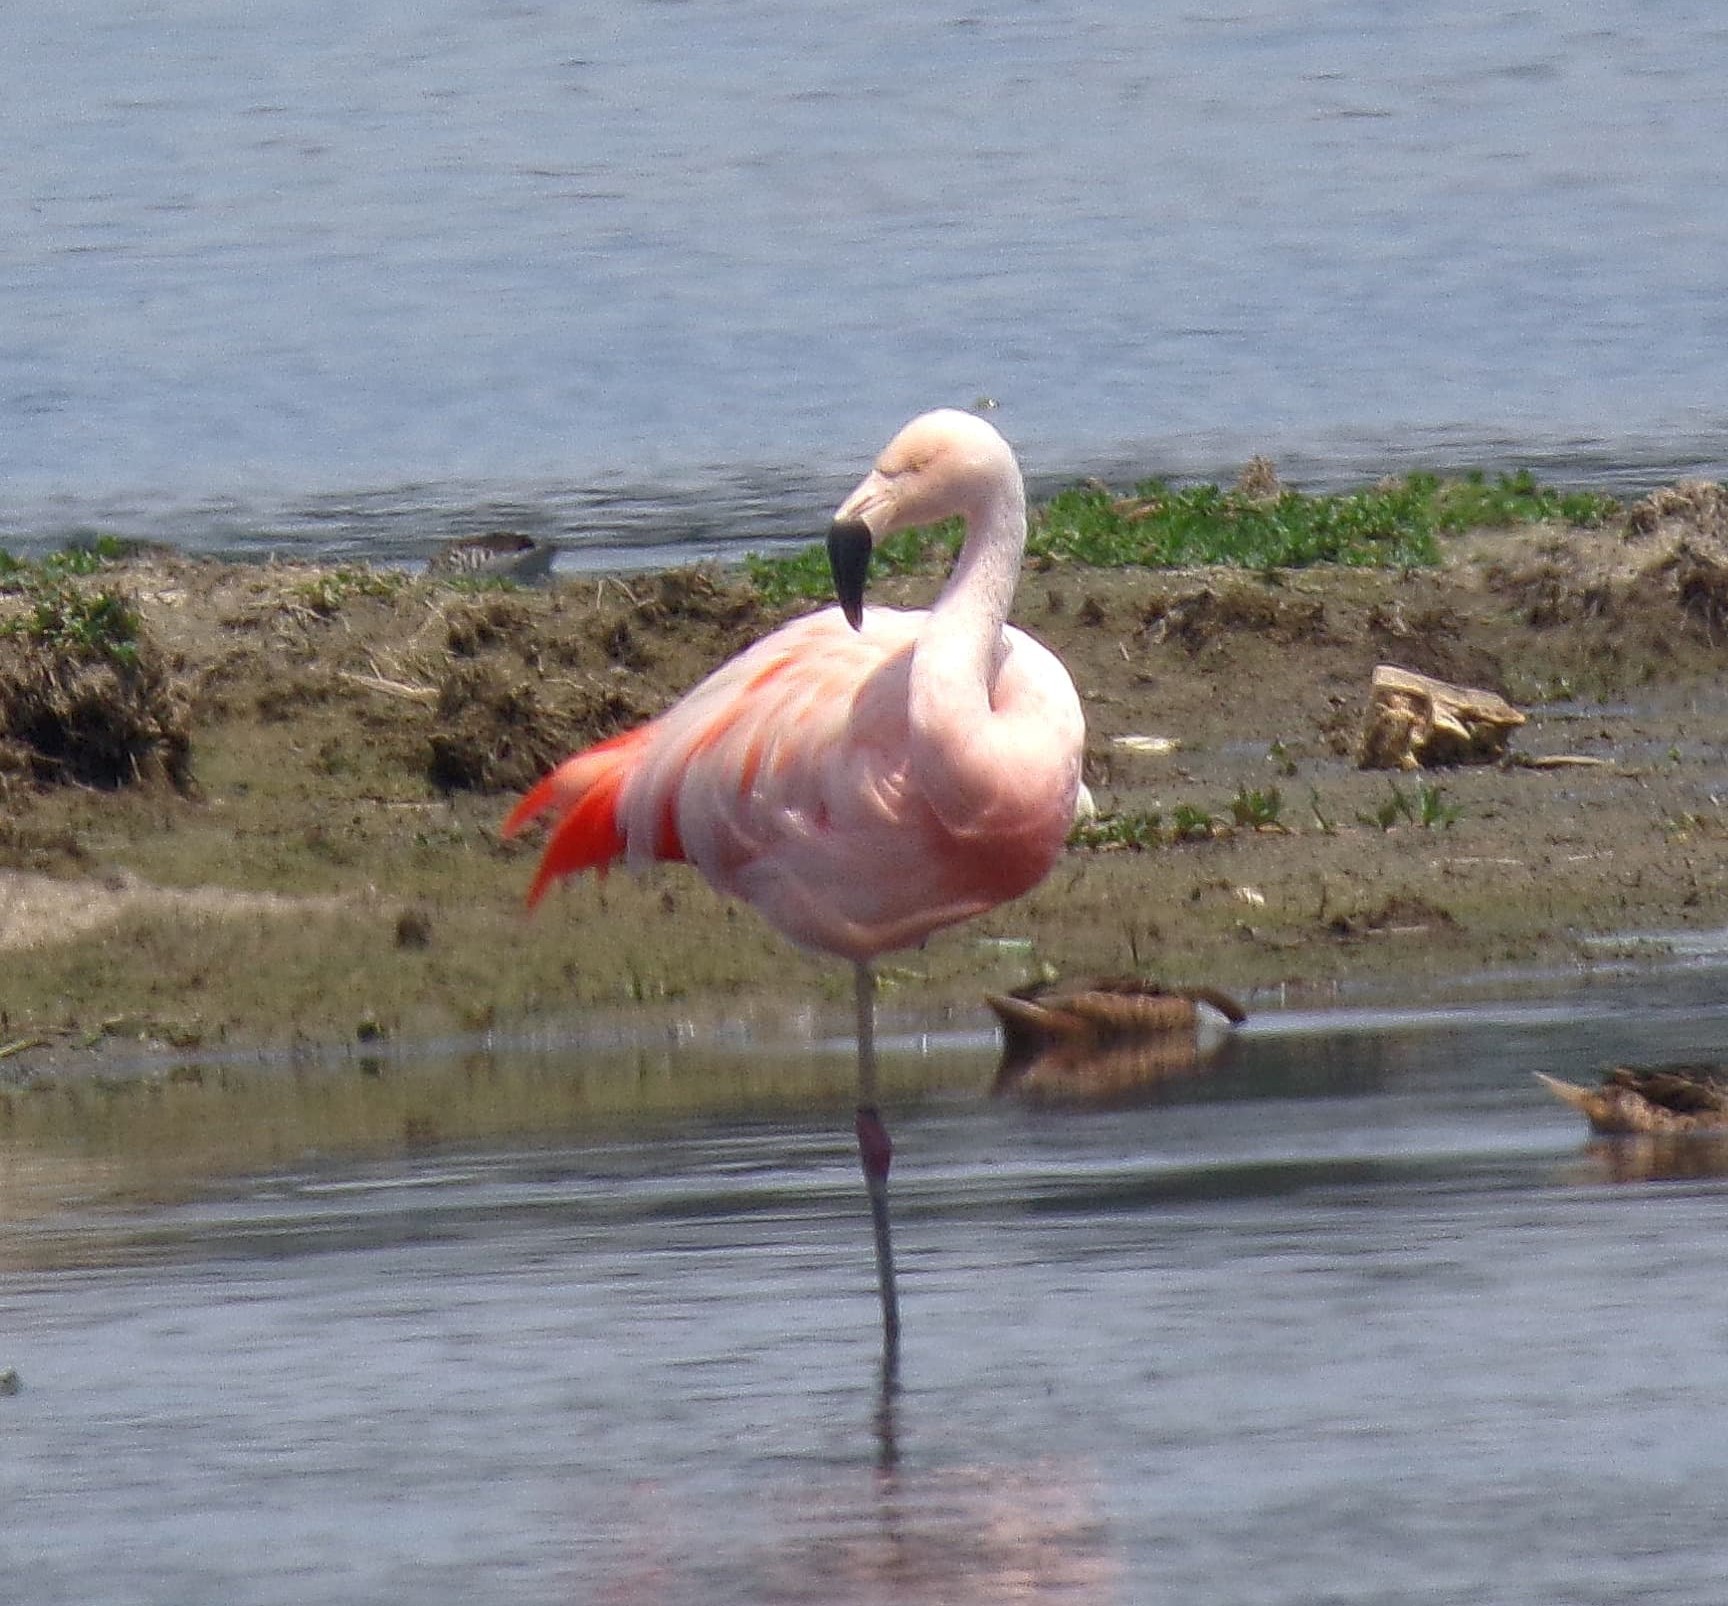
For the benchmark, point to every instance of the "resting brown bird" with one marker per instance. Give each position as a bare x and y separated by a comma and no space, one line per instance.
1661,1099
1106,1037
504,555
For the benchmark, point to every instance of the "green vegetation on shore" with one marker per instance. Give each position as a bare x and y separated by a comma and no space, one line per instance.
85,695
77,557
64,618
1395,524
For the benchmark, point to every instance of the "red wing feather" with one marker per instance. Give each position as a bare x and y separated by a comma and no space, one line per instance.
582,795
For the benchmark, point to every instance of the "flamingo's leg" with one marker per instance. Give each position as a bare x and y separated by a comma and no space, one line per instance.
875,1154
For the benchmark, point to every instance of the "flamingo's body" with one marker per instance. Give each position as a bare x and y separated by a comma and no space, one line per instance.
862,777
793,778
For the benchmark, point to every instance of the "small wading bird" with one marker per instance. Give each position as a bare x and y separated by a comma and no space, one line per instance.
504,555
862,777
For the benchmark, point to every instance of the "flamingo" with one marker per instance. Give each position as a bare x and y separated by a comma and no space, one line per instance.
862,777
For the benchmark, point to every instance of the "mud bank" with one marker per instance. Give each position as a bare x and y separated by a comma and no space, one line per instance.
321,860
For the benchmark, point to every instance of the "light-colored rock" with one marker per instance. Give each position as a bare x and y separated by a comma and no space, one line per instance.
1415,722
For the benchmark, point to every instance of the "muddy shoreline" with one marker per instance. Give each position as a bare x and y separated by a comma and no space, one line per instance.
326,869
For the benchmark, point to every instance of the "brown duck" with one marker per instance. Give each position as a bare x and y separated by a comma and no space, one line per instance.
1663,1099
1103,1038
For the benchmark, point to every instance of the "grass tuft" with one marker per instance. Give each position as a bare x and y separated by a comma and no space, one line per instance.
1130,829
85,695
1427,810
1258,809
87,625
326,594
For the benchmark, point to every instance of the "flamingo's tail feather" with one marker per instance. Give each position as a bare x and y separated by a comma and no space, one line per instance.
586,838
531,805
582,796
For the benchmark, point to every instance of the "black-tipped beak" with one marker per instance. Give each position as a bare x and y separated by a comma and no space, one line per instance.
849,559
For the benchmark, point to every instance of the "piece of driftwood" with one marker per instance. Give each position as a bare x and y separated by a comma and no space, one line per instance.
1562,761
1662,1099
1415,722
1089,1041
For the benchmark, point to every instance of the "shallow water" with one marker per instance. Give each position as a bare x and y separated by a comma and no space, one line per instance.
1357,1317
342,282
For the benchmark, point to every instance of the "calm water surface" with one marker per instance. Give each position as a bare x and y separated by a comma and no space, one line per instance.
1356,1318
631,273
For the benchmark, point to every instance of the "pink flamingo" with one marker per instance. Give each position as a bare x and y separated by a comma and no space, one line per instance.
861,777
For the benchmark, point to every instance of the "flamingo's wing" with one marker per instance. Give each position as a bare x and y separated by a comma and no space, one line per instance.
801,788
801,732
804,735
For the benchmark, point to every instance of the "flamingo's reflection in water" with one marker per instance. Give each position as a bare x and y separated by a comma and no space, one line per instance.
967,1535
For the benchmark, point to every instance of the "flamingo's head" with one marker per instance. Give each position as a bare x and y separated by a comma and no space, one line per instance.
942,463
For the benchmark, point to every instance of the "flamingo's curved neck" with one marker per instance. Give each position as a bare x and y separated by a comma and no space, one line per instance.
961,646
